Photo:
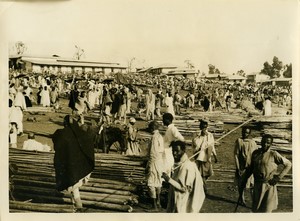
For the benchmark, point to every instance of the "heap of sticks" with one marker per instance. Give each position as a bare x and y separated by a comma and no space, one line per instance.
225,117
191,127
275,122
280,127
280,145
113,185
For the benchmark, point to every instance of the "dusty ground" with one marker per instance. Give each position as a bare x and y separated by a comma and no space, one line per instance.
222,196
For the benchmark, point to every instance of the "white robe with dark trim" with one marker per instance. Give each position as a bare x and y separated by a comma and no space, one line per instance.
186,193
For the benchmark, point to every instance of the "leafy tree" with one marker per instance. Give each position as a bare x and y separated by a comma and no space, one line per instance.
267,70
277,66
20,47
241,73
273,70
288,71
211,69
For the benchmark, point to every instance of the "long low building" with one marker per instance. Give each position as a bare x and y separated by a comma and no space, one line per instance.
58,64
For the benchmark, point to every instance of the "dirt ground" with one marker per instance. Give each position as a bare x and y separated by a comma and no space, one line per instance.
221,197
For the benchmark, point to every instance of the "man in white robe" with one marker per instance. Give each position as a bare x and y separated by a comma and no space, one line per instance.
155,165
186,193
16,113
32,144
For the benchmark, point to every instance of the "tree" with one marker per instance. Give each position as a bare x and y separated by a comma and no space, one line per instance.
78,53
288,71
20,47
277,66
267,70
211,69
273,70
241,73
189,64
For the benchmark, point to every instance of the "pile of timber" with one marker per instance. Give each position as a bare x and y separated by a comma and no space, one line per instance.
279,133
120,167
280,127
21,207
35,109
279,145
147,136
235,117
274,122
227,175
113,185
191,127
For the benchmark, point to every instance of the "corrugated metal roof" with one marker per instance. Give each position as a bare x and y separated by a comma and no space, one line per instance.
215,75
278,79
144,70
165,66
236,77
72,63
183,72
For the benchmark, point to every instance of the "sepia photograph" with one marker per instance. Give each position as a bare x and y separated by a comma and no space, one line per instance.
138,109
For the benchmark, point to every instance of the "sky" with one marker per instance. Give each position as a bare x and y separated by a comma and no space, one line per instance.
231,35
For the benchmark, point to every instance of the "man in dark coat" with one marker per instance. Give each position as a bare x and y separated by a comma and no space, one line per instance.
74,157
74,93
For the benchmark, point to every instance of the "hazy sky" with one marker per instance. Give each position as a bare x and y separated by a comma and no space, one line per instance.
231,35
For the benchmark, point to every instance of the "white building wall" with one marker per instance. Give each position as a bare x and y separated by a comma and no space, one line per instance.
88,69
36,68
107,70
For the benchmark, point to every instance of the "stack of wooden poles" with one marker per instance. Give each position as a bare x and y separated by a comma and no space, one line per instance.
280,145
275,122
280,127
225,117
113,185
189,129
39,109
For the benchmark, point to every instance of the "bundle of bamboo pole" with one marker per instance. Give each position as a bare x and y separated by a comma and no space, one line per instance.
279,133
281,145
17,206
39,109
274,122
113,185
225,117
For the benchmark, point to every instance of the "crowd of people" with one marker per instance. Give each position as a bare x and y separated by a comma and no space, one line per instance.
168,161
